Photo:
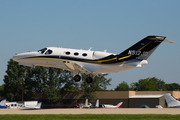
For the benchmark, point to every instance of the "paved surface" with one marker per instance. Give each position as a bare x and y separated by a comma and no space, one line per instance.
93,111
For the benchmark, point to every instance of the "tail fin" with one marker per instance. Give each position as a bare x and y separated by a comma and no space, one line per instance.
97,103
139,51
3,102
142,49
39,105
86,102
119,105
171,101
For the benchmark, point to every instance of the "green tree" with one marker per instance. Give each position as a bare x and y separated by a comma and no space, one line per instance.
173,86
52,85
67,81
39,79
2,90
15,81
22,81
99,83
149,84
122,87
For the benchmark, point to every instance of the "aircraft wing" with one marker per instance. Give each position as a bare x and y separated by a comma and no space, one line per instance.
171,101
76,68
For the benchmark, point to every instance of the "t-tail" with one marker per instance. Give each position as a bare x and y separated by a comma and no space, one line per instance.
142,49
139,51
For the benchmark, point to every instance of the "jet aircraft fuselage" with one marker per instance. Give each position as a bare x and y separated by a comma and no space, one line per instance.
91,62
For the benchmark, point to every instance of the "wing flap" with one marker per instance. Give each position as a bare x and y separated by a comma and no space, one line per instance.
76,68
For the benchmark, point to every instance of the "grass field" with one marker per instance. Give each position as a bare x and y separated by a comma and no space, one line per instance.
90,117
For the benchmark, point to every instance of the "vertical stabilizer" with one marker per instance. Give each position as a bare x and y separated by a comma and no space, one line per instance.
119,105
3,102
38,105
86,102
142,49
97,103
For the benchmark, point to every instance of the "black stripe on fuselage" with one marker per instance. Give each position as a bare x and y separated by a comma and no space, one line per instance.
63,57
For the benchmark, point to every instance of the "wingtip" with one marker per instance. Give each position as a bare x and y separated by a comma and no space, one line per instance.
165,40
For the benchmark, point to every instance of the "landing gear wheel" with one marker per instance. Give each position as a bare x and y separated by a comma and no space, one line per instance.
77,78
89,79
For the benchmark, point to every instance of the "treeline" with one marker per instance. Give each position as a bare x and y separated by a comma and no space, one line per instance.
21,81
148,84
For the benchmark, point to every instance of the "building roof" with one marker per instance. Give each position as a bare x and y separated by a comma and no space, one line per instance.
146,96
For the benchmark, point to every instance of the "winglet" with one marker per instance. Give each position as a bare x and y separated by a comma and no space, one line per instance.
169,41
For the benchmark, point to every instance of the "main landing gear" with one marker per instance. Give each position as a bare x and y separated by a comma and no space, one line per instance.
89,79
77,78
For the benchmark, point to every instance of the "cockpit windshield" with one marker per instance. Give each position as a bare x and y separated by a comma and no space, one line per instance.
42,50
49,52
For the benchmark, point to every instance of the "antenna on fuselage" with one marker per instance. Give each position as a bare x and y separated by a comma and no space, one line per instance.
90,48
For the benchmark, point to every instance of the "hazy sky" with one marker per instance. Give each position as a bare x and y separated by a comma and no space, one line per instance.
114,25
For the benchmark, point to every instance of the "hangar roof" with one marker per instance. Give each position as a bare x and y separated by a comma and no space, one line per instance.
146,96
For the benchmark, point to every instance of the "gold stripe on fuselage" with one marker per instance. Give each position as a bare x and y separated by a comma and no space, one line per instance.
124,57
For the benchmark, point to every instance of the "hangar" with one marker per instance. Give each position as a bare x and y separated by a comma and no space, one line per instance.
131,99
134,99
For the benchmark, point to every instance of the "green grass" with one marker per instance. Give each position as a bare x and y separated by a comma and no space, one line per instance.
90,117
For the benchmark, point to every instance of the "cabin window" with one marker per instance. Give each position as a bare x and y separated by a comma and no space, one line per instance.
84,54
68,53
42,50
76,53
49,52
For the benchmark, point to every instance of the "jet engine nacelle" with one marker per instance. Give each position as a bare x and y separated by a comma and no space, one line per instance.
98,54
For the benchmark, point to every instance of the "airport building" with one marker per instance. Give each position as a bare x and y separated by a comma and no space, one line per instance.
131,99
134,99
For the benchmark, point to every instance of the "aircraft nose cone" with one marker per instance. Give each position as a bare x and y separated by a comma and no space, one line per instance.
15,57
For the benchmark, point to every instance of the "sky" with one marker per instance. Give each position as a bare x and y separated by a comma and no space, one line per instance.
112,25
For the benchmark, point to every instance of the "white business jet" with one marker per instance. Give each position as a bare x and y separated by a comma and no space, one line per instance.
92,62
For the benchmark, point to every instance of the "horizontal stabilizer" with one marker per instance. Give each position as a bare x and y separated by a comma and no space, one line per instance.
169,41
137,63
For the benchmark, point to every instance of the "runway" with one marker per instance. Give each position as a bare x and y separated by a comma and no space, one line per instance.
172,111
